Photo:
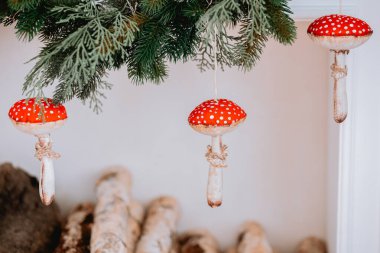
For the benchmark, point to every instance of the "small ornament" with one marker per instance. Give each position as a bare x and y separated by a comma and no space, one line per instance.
27,117
215,118
339,33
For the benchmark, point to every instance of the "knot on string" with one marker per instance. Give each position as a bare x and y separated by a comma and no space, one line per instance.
338,72
44,150
217,160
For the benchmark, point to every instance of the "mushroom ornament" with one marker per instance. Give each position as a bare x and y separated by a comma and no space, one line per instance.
340,34
26,116
216,117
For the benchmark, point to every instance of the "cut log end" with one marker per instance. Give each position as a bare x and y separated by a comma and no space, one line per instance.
197,241
117,172
252,238
312,245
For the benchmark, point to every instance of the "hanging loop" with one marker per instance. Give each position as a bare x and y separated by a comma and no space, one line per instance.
215,48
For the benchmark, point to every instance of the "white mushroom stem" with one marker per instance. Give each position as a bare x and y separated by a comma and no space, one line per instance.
339,73
216,157
47,178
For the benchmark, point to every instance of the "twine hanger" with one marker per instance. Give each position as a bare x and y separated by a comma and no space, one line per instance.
215,46
44,150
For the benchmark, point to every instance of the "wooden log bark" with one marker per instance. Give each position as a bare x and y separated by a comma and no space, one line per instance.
197,241
159,227
76,235
110,231
135,221
312,245
26,225
252,239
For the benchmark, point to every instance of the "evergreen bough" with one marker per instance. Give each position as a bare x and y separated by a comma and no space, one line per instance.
83,39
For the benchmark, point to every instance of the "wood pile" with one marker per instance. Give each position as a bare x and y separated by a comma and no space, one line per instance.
117,223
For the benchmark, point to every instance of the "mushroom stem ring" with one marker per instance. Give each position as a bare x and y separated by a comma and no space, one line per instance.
217,159
43,148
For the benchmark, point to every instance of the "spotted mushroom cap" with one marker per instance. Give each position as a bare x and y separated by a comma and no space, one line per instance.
216,117
25,115
339,32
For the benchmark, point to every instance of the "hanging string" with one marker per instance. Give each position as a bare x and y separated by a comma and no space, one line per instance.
340,6
215,67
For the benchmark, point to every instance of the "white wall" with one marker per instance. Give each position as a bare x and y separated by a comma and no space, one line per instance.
278,158
360,175
311,9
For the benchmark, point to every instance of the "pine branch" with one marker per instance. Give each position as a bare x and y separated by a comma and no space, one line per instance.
23,5
29,23
255,21
247,53
84,39
82,52
151,7
225,50
282,26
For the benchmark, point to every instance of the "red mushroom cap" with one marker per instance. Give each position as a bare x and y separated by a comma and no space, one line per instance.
27,111
339,32
221,115
339,25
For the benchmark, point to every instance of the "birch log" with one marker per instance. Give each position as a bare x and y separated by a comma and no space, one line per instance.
135,220
231,250
110,231
76,235
312,245
252,239
159,227
197,241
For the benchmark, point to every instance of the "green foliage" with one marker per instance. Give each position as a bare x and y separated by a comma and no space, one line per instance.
28,15
258,20
84,39
23,5
78,60
29,23
281,26
167,35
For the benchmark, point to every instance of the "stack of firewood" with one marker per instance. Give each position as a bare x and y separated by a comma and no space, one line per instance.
119,224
